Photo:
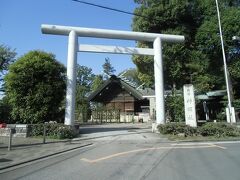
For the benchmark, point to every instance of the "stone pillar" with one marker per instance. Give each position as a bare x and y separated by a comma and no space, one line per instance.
231,118
189,105
159,83
71,78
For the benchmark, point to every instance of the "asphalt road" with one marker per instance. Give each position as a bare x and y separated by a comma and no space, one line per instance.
137,154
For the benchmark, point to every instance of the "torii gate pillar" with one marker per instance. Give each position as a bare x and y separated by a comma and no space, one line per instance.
71,78
159,83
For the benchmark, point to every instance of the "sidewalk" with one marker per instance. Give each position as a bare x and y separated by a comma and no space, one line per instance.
24,153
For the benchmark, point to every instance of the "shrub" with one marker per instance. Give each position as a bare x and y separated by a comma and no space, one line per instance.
221,116
35,130
175,108
219,130
59,131
208,129
177,128
64,132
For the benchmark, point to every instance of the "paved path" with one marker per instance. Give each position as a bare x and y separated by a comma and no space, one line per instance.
136,154
124,131
30,149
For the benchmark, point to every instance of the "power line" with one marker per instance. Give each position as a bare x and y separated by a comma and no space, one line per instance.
110,8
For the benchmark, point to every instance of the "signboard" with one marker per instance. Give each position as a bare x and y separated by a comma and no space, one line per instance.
189,105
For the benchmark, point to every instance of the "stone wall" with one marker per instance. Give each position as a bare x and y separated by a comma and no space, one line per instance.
20,130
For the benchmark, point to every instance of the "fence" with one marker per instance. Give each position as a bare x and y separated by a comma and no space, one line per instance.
81,116
106,116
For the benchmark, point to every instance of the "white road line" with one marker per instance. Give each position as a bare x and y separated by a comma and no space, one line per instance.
205,143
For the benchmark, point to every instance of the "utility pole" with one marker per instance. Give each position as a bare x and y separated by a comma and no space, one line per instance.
230,108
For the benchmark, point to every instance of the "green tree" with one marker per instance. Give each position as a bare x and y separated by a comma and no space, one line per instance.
97,82
84,82
7,57
5,110
84,79
170,17
35,87
197,60
208,41
108,69
175,108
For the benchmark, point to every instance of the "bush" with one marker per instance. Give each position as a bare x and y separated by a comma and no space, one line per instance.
219,130
64,132
35,130
221,116
208,129
177,128
175,108
59,131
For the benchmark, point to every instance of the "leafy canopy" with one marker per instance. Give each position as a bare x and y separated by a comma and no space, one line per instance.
108,69
198,60
83,87
35,87
7,57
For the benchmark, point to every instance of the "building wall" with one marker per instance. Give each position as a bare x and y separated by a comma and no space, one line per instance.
114,96
122,106
120,99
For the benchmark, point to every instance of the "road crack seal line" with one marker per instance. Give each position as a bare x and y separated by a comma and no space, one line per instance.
147,149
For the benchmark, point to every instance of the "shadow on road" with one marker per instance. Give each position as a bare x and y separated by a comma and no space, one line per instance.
89,130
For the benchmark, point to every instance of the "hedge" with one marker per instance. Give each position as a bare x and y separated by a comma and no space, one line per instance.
219,130
59,131
208,129
177,128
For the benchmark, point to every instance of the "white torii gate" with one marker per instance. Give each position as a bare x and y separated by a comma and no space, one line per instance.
74,47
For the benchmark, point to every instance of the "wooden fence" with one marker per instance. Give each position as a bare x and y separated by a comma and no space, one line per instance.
106,116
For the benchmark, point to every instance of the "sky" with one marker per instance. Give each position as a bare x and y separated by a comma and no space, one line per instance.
20,28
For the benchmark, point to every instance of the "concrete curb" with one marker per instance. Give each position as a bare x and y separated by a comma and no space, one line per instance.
210,140
45,156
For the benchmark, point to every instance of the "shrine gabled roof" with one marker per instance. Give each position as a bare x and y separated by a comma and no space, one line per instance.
115,80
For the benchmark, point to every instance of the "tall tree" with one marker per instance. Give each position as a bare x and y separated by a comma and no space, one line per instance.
35,87
97,82
85,78
7,57
108,69
170,17
208,41
84,83
188,62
